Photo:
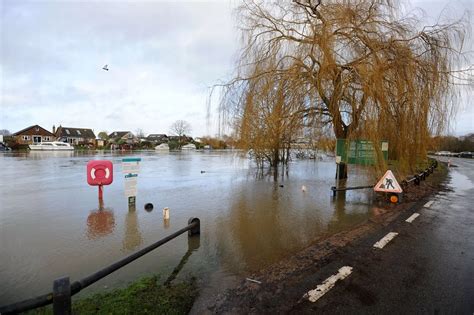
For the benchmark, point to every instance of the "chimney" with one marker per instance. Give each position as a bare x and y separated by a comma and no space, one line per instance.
54,129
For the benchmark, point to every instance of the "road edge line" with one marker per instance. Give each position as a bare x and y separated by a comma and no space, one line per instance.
412,217
328,284
385,240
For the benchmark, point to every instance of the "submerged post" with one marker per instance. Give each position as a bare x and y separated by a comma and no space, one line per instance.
62,296
100,192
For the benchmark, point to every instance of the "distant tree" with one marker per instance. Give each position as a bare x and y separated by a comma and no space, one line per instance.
180,128
103,135
5,132
139,133
453,144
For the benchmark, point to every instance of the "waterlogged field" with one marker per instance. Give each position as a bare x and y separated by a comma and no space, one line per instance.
51,224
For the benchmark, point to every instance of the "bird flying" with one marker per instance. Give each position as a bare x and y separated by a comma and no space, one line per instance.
106,68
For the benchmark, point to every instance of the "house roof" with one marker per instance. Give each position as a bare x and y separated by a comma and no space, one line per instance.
31,127
75,132
118,134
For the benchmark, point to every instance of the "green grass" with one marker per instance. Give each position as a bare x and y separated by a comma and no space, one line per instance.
146,296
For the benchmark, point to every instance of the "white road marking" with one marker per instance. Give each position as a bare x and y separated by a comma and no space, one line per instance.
384,241
253,280
428,204
328,284
412,217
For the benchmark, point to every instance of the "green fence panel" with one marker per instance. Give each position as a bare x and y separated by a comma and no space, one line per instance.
360,151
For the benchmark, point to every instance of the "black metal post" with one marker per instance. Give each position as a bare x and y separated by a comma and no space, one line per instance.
62,296
196,229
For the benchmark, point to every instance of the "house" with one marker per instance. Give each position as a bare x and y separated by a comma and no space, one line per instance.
75,135
122,137
33,134
157,138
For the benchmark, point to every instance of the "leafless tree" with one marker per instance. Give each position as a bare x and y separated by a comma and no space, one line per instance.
139,133
180,128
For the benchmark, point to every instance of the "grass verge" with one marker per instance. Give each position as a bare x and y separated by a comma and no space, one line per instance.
145,296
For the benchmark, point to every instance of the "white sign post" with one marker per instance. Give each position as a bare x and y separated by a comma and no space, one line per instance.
130,169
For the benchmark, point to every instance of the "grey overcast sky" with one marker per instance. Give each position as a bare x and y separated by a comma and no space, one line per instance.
162,56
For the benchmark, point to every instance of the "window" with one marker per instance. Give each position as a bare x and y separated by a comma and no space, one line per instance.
25,138
67,131
78,132
46,138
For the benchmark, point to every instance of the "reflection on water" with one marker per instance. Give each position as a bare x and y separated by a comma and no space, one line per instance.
460,181
133,237
39,155
166,223
100,222
343,217
193,244
247,221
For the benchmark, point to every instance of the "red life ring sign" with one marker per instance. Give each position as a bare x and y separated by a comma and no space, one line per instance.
100,172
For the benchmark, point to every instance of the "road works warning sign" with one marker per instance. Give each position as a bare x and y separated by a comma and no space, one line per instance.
388,183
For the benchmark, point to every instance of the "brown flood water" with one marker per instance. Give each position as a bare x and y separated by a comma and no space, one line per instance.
51,224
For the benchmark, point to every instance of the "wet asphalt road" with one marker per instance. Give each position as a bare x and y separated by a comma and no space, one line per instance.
427,269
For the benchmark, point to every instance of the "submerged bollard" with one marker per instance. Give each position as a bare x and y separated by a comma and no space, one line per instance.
166,213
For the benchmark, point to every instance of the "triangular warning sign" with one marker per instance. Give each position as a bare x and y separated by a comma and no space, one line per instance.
388,183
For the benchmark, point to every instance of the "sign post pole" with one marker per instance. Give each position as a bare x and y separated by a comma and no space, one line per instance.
100,192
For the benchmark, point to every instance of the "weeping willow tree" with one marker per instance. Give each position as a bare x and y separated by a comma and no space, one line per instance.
355,65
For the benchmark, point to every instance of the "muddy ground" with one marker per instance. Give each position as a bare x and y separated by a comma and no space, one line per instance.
281,284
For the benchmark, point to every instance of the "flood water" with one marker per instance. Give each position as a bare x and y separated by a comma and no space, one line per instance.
51,224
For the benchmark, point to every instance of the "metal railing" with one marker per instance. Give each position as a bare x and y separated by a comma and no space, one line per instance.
63,290
421,175
335,190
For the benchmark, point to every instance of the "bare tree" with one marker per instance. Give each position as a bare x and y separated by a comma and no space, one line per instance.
358,66
180,128
139,133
